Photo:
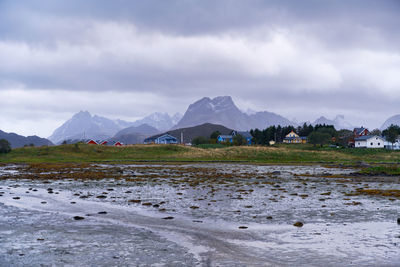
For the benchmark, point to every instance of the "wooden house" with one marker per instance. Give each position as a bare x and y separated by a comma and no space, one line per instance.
369,141
294,138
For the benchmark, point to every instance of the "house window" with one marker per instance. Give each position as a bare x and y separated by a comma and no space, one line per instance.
379,144
358,143
372,144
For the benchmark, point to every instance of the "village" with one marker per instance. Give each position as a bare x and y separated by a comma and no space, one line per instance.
359,138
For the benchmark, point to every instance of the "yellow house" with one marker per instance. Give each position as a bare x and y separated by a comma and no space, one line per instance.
293,138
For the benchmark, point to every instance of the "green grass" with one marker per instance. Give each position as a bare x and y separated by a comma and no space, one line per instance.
284,154
385,170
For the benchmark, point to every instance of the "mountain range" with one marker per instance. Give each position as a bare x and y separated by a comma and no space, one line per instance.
220,110
16,140
83,125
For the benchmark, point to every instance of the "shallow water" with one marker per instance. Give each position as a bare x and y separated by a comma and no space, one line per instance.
192,215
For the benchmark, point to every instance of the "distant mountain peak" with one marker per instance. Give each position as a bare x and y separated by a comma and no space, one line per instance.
339,122
395,120
222,110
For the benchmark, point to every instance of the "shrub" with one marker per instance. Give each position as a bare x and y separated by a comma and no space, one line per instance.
5,146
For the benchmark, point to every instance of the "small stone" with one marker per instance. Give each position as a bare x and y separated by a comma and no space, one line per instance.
243,227
298,224
269,217
16,197
102,212
43,202
78,218
168,218
73,202
398,220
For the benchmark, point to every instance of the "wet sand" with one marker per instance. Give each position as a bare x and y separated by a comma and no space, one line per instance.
199,214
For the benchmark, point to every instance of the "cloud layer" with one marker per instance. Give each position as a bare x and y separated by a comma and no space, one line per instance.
129,58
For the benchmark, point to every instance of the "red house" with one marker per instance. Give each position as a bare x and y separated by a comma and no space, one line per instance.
357,132
103,143
117,143
91,142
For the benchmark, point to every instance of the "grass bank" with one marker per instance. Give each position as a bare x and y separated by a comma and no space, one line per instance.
284,154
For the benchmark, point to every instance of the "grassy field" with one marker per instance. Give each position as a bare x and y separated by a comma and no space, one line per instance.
284,154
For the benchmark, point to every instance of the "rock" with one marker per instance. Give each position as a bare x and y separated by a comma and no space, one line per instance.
102,212
276,172
243,227
73,202
135,201
16,197
168,218
298,224
101,196
78,218
398,220
269,217
43,202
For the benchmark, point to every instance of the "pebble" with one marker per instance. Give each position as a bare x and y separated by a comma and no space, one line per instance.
298,224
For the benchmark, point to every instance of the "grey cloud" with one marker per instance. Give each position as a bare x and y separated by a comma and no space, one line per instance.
275,54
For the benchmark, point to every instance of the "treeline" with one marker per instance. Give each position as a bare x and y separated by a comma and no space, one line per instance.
319,134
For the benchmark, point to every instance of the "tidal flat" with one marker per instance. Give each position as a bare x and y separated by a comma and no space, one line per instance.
197,215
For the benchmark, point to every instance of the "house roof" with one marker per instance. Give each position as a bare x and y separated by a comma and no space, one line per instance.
359,130
366,137
245,134
167,136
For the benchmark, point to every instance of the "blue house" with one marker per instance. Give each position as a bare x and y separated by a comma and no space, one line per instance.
161,139
246,136
229,138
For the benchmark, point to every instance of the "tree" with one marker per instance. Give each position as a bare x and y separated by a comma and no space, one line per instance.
376,132
344,137
239,140
200,140
319,138
215,135
5,146
392,133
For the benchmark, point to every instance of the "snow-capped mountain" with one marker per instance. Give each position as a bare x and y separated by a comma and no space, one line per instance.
338,122
222,110
395,120
160,121
83,125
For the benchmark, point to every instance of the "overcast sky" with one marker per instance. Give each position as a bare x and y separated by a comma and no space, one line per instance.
127,59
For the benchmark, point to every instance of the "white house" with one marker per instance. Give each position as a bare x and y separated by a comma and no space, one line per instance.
369,141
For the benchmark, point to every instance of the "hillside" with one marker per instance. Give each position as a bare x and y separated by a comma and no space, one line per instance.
20,141
203,130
